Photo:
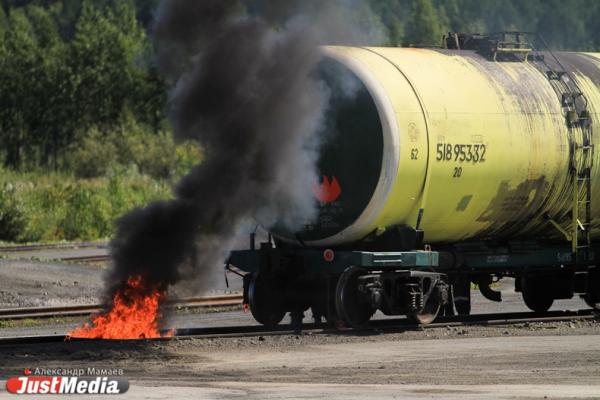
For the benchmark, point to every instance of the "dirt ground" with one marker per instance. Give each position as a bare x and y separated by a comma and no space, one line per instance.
555,360
26,283
34,282
537,360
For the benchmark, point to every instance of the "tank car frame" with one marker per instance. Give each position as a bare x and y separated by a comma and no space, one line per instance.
350,285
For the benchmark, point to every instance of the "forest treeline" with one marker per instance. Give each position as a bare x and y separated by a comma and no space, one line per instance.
70,71
77,72
564,24
84,131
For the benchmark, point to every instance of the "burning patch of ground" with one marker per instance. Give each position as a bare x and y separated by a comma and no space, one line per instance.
134,314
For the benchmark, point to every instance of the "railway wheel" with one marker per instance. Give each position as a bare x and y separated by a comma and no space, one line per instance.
462,295
351,306
266,301
535,294
431,309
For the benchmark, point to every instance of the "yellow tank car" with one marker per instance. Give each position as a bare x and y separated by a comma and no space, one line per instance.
442,167
455,144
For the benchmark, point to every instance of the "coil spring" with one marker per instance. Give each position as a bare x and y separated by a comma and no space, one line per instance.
415,298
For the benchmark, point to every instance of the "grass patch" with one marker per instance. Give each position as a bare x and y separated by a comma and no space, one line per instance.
35,322
21,323
56,207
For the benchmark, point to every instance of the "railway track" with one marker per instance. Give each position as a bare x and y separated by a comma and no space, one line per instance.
52,246
84,310
59,252
375,327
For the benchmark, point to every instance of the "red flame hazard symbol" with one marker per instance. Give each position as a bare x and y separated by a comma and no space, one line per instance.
327,192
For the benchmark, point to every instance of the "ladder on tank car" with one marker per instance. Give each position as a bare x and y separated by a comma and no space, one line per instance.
579,122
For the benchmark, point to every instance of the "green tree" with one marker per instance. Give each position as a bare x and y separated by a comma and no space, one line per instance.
3,22
103,63
573,33
593,31
425,25
18,70
147,91
51,80
391,13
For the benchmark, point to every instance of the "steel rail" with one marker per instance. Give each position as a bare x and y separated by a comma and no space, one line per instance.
93,258
67,258
375,327
83,310
51,246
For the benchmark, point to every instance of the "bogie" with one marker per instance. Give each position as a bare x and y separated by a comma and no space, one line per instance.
417,294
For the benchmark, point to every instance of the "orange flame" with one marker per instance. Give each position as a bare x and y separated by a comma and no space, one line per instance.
134,314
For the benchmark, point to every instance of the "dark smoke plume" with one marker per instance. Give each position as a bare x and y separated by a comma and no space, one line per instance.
244,88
